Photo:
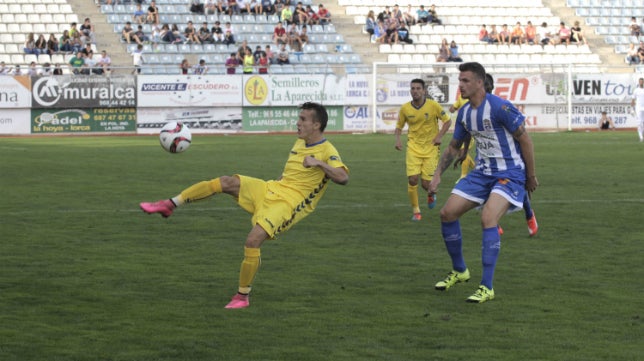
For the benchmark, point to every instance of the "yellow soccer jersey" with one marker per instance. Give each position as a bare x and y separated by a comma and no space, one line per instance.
460,102
422,125
303,187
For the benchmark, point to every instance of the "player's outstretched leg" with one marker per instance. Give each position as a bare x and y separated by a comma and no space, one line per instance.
454,243
531,219
431,200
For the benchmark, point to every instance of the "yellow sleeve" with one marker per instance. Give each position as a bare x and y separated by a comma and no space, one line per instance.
459,102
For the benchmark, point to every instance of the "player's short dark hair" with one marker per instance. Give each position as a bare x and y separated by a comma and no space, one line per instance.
488,83
419,81
473,67
321,115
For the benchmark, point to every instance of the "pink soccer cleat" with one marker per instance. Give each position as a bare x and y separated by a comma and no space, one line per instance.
533,227
165,207
238,301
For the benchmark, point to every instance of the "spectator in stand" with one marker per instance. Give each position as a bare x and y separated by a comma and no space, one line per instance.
279,34
640,52
30,45
302,38
231,63
244,6
72,30
4,69
544,35
530,34
32,70
65,42
241,51
52,44
140,34
229,38
137,59
153,14
493,34
87,50
77,63
409,16
41,44
90,65
233,7
403,34
196,7
282,55
191,34
178,34
278,6
287,15
397,14
257,53
201,68
264,63
484,35
248,63
105,63
167,36
17,70
269,54
517,36
266,7
217,32
370,23
47,70
453,53
392,33
87,31
433,16
204,34
379,34
300,16
632,57
563,33
77,44
256,6
210,7
292,34
422,15
385,15
635,28
184,66
324,15
443,52
577,35
127,34
313,16
58,69
139,15
504,35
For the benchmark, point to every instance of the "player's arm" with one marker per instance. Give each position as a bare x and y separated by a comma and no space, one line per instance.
398,132
445,161
444,128
338,175
527,150
462,153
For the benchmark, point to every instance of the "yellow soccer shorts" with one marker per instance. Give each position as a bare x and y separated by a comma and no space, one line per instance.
423,165
270,210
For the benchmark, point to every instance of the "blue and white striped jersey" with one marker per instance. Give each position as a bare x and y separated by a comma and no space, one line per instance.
491,126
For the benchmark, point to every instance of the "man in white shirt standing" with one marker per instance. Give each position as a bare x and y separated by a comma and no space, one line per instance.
638,103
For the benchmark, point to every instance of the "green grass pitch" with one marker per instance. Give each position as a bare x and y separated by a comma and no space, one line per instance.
85,275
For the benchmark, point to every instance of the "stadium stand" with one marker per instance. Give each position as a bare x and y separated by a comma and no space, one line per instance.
340,43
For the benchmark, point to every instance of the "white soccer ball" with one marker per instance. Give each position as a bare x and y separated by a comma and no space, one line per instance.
175,137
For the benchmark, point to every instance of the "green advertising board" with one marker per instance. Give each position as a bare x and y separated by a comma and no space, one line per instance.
96,120
280,119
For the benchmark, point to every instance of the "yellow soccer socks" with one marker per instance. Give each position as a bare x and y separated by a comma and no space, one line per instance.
198,191
412,192
249,267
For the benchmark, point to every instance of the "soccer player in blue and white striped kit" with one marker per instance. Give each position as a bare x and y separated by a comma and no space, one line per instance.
505,171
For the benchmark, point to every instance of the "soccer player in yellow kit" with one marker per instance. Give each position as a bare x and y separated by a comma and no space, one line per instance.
423,141
276,205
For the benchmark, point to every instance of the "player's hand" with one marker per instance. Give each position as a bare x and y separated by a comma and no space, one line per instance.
310,161
531,184
433,184
462,154
398,146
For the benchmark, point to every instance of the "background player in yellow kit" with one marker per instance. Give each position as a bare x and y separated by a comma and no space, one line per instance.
423,141
276,205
